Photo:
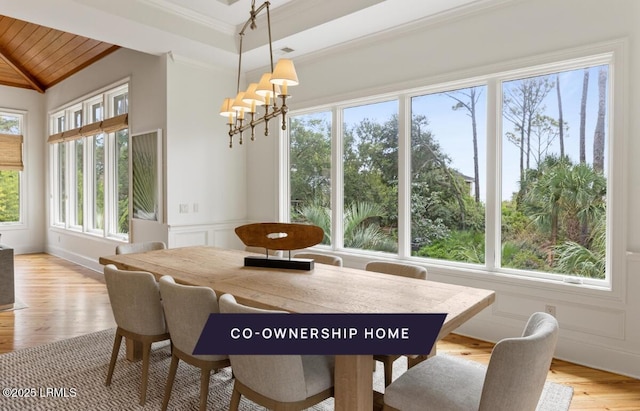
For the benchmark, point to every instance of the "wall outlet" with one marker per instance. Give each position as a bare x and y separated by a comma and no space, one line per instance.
184,208
195,207
550,309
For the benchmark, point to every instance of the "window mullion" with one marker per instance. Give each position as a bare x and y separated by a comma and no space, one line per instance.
337,180
493,180
404,176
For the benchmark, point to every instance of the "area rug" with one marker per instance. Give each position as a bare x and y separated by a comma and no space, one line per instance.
69,375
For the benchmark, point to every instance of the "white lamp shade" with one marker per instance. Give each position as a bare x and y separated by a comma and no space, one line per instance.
285,73
226,110
265,87
240,105
251,97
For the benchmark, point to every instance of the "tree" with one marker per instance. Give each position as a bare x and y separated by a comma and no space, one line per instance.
565,200
583,115
310,160
544,130
599,135
371,166
467,99
522,102
360,228
9,196
576,259
430,169
560,120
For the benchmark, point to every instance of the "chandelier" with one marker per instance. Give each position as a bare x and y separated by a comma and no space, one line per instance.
265,93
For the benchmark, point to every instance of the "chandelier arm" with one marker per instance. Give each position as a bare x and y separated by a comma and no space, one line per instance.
270,42
239,63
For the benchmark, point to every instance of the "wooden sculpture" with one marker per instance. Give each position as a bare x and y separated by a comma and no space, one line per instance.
279,236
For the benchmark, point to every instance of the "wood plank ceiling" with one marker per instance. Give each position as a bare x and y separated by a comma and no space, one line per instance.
37,57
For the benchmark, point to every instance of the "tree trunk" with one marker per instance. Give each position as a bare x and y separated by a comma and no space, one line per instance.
560,119
476,169
598,136
583,114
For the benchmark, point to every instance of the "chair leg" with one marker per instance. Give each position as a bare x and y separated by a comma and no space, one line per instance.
170,378
205,375
388,371
114,356
146,351
235,399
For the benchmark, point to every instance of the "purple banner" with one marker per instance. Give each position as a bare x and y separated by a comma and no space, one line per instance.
326,334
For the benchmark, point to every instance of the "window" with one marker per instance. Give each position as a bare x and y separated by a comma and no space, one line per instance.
11,140
448,147
90,166
418,182
310,170
370,175
554,181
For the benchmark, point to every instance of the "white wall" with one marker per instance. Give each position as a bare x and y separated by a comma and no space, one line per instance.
204,175
147,111
182,98
30,236
597,329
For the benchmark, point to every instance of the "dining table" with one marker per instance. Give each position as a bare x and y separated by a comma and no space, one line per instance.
323,289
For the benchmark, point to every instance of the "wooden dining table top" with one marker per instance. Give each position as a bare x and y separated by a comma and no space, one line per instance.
324,289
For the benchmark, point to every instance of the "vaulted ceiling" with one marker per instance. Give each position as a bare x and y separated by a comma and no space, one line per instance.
37,57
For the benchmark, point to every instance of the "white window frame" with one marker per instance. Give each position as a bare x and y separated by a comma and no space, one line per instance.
613,53
22,221
105,98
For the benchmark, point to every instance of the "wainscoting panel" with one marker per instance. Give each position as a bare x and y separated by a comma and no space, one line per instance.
582,318
218,235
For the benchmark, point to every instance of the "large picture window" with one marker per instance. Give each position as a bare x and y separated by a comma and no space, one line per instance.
90,165
419,184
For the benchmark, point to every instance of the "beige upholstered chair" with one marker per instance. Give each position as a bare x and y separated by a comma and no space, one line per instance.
513,380
136,306
140,247
187,309
404,270
263,251
321,258
278,382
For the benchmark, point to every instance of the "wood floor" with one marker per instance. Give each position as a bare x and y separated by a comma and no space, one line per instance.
66,300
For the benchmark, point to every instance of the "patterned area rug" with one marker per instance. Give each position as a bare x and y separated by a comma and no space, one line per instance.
69,375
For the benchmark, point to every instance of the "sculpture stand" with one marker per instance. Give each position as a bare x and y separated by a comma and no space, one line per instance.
277,262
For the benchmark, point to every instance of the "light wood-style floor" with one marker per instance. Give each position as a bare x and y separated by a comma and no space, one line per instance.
66,300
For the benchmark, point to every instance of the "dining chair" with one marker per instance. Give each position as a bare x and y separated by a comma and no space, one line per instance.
263,251
140,247
404,270
278,382
321,258
187,309
401,269
513,380
137,310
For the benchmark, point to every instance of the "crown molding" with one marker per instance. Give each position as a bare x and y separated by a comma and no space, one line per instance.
191,15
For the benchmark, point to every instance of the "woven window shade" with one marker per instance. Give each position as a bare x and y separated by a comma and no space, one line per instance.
55,138
116,123
68,135
11,152
91,129
109,125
